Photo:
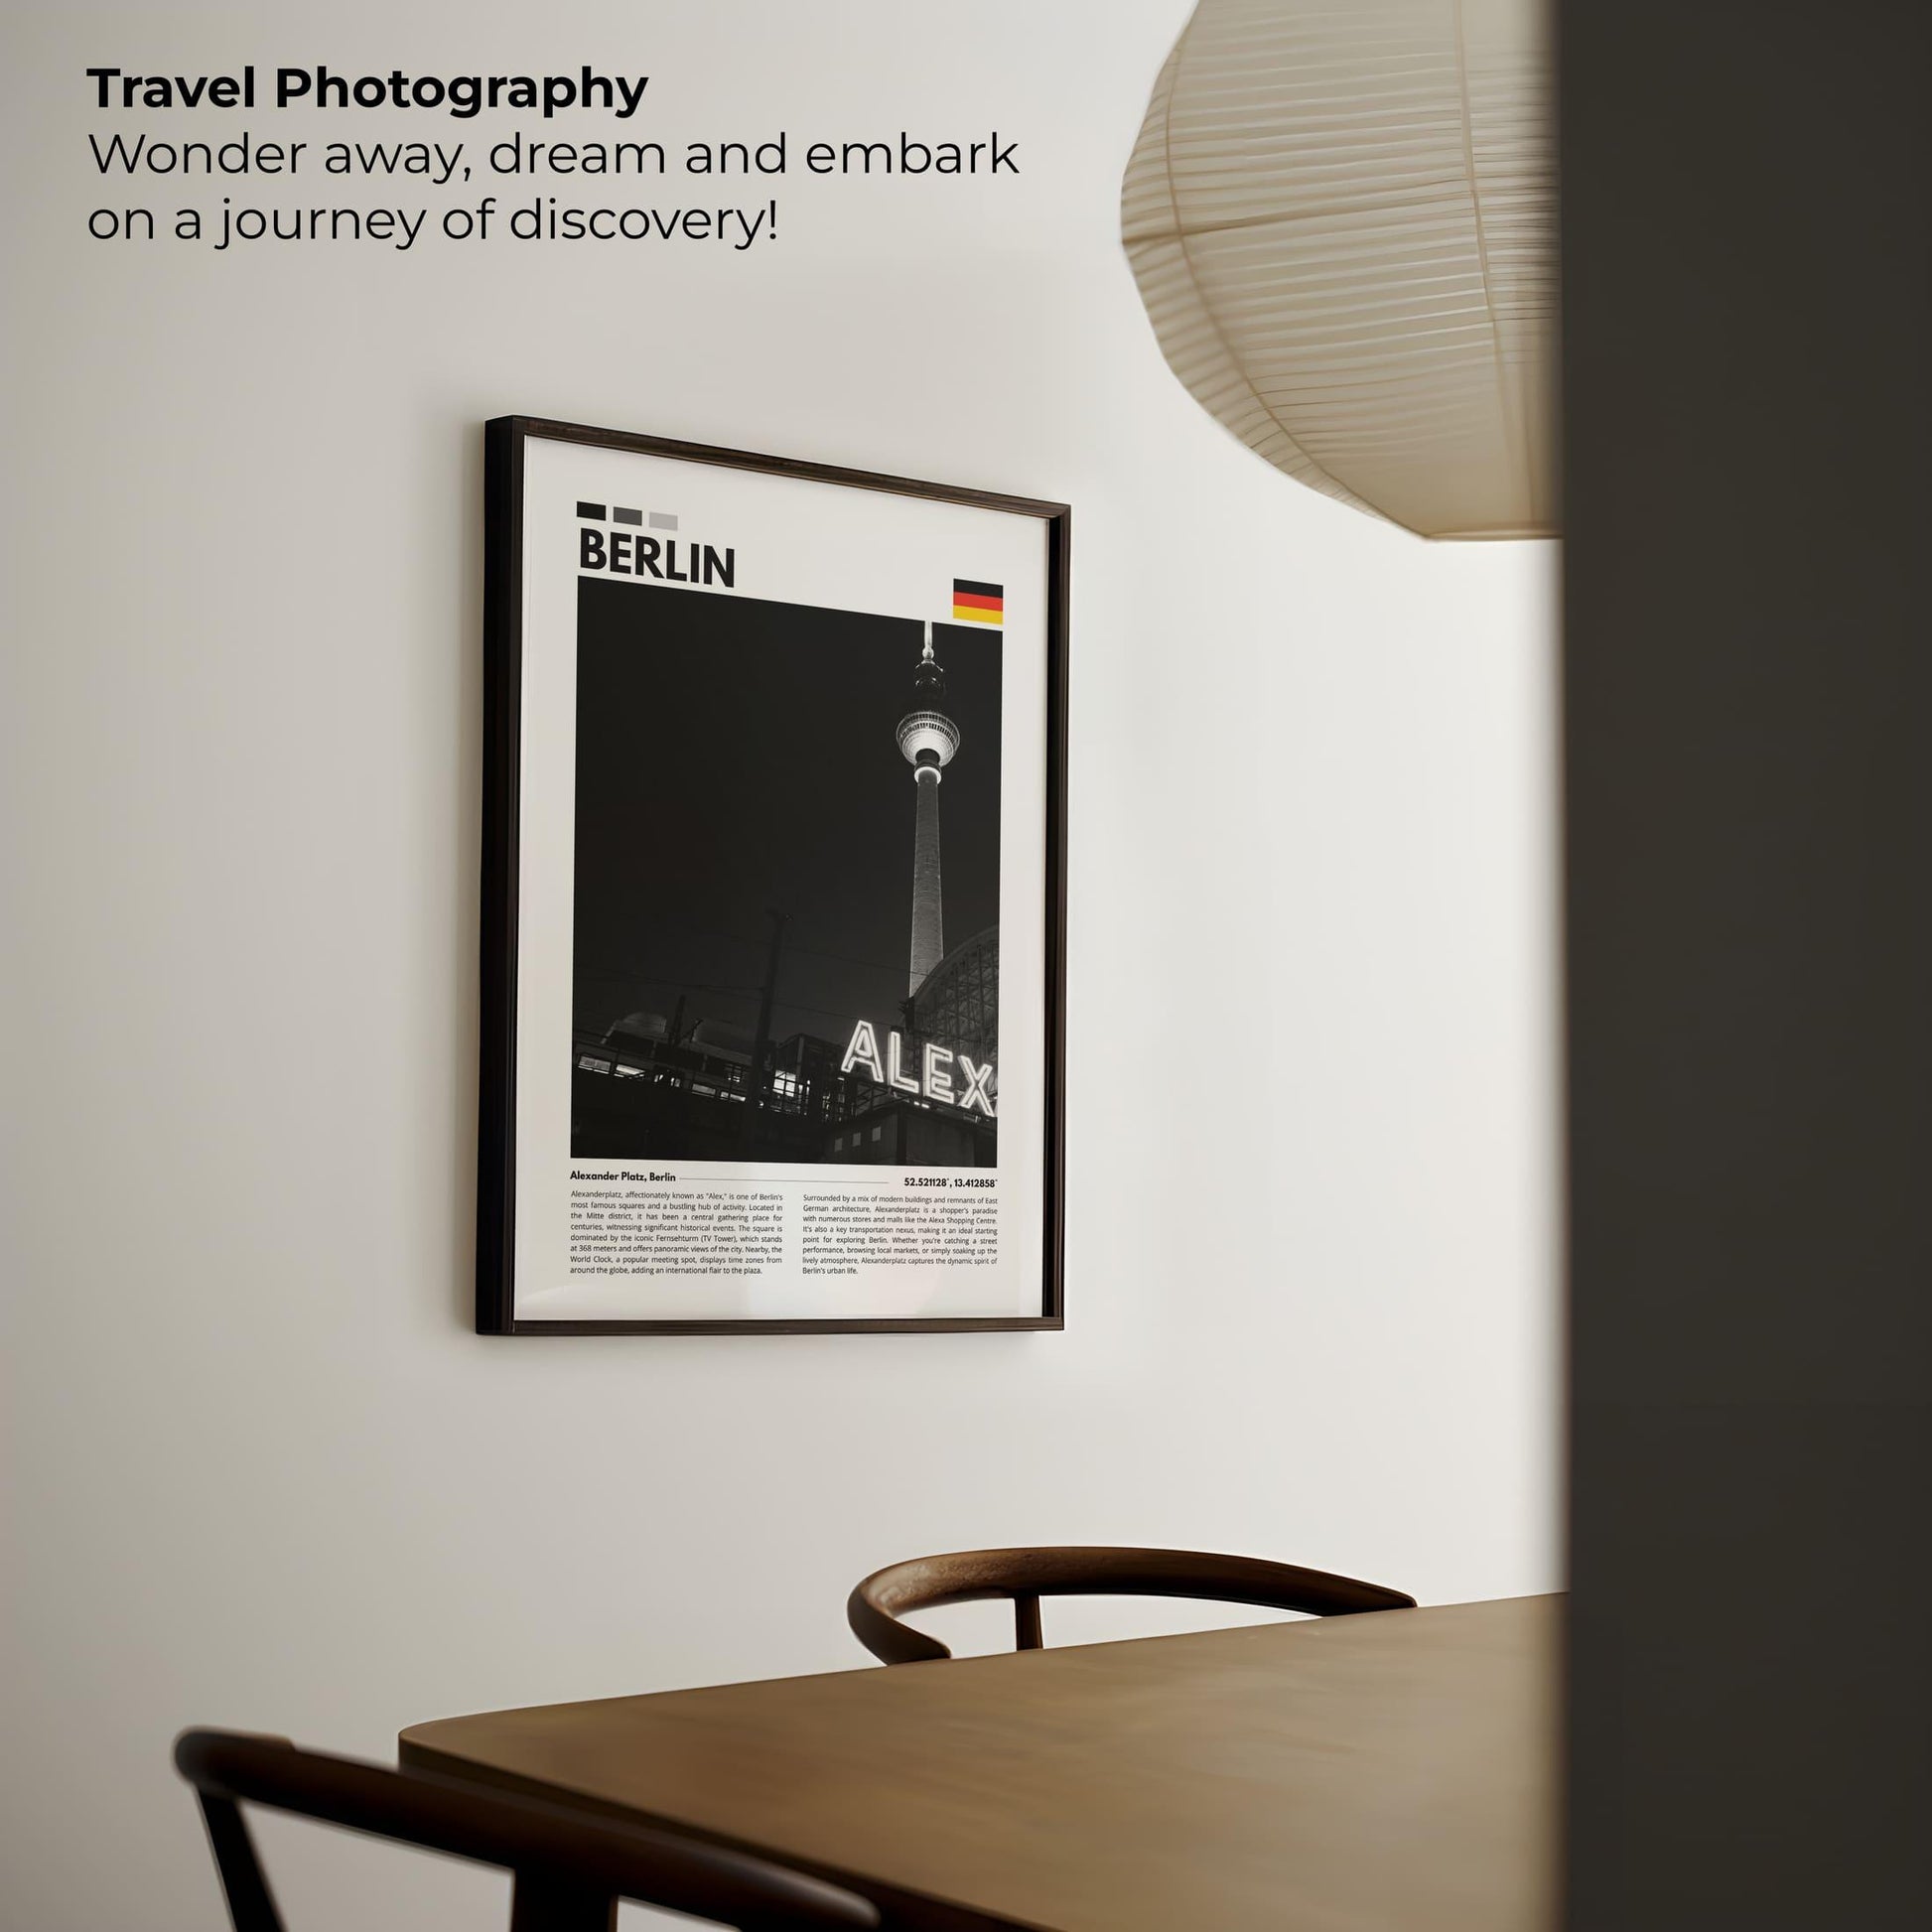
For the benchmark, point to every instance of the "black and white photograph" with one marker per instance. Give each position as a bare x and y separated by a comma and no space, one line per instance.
774,893
787,931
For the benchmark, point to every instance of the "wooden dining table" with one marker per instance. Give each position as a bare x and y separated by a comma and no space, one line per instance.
1392,1772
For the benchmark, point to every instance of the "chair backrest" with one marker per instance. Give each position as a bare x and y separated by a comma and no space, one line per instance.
873,1609
570,1867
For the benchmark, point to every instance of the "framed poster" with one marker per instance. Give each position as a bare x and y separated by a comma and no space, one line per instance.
774,839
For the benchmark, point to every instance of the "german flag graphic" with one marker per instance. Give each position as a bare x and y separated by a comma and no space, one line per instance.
977,603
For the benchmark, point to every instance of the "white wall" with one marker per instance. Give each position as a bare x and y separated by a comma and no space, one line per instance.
260,1472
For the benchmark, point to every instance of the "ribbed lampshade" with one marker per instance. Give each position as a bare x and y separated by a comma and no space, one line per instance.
1341,217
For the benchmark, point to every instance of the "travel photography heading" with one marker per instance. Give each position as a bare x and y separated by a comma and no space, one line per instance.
464,95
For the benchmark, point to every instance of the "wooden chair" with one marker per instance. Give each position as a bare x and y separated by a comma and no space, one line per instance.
873,1609
570,1867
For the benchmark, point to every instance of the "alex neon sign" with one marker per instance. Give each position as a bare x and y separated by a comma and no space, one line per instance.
952,1078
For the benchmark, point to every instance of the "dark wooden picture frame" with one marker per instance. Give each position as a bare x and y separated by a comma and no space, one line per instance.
506,443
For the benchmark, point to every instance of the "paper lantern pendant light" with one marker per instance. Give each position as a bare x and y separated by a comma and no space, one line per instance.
1341,217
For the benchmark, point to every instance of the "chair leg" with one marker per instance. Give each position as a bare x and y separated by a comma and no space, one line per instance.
544,1905
252,1905
1026,1621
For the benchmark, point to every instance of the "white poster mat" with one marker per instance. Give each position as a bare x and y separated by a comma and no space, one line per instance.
838,547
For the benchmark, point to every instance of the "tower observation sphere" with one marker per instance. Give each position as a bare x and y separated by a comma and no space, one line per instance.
927,740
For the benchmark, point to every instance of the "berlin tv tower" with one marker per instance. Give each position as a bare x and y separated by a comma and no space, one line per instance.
927,739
